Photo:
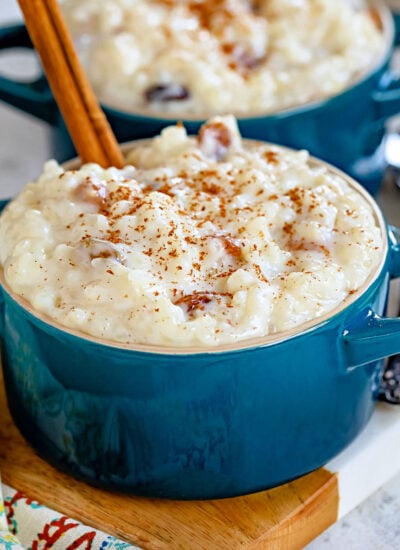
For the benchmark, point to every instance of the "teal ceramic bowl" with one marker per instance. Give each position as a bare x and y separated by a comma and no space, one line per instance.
200,423
346,130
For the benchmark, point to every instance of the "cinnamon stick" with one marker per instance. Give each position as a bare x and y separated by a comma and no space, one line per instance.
85,120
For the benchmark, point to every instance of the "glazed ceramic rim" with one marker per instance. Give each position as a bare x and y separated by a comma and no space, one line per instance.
388,32
244,344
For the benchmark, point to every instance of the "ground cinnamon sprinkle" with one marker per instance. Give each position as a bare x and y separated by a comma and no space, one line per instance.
114,236
296,195
325,250
271,157
166,189
205,10
194,301
228,47
260,274
211,188
288,228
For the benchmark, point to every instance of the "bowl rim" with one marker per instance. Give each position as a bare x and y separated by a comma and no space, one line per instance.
241,345
388,31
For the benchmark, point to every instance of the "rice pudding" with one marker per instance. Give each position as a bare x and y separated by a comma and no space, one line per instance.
197,58
198,241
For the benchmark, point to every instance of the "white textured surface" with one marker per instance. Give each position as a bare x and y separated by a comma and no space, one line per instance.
373,525
23,148
361,468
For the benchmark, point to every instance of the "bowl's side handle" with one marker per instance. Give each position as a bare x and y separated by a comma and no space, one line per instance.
394,244
386,97
387,101
35,97
376,337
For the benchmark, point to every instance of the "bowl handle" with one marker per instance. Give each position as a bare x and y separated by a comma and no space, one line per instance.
394,246
33,97
386,98
375,337
378,338
387,101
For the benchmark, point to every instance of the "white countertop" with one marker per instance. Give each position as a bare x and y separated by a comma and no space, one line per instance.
24,147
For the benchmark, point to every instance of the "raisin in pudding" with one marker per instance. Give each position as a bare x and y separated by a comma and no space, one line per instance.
202,57
198,241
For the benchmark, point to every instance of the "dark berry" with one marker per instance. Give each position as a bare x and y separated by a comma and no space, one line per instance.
166,92
390,384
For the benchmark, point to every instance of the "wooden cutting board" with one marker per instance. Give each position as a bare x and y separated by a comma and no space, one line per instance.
287,517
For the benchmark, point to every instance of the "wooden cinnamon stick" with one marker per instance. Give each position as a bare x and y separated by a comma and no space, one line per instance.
85,120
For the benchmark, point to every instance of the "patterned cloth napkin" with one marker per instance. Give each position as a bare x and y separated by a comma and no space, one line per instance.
7,540
27,525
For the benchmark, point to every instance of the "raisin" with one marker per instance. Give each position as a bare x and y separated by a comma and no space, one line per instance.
231,245
199,300
247,60
255,6
166,92
99,248
91,192
215,138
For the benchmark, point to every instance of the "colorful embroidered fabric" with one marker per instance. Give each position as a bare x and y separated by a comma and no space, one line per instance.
27,525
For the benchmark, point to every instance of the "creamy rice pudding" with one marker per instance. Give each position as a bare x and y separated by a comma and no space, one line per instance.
188,57
198,241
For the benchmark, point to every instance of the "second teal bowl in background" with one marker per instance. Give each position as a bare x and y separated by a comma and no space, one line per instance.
346,130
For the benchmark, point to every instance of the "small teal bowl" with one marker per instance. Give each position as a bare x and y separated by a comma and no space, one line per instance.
346,130
200,423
